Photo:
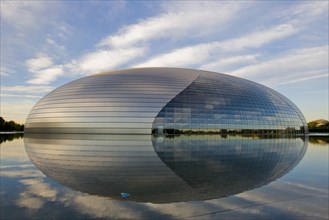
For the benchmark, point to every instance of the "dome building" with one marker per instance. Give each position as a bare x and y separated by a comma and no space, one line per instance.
165,101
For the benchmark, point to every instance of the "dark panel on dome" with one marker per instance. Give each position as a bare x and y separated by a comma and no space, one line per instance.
218,103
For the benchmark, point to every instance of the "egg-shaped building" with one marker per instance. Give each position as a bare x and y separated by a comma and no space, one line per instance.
165,101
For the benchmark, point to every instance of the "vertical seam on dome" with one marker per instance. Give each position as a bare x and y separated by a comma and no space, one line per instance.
199,74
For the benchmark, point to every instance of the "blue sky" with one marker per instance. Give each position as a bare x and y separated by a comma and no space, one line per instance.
281,44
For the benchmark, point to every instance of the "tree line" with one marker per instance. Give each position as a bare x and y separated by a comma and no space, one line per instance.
315,126
10,125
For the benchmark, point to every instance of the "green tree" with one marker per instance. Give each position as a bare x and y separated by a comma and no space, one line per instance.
2,124
316,126
10,125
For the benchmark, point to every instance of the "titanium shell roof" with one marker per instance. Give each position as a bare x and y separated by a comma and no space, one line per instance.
164,101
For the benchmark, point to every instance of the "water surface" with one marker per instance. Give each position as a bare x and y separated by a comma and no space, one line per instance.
179,178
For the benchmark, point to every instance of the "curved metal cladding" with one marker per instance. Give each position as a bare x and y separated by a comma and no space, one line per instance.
162,169
118,102
219,103
165,101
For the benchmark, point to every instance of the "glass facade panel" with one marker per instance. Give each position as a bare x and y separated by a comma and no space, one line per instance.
220,103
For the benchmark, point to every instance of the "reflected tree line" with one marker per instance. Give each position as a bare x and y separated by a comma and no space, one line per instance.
10,137
323,140
224,132
10,125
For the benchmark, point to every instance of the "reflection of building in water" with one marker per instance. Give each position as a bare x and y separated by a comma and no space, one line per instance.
224,166
165,100
162,169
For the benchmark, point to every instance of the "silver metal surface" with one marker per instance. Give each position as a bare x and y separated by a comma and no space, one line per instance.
165,101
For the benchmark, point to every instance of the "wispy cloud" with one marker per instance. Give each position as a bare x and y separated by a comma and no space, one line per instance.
178,21
43,69
200,53
23,14
131,42
103,59
225,63
306,12
38,187
297,64
252,39
48,75
259,38
27,89
20,96
29,202
41,62
310,76
5,71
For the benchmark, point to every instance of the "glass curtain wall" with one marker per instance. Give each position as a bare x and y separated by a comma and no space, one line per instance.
218,103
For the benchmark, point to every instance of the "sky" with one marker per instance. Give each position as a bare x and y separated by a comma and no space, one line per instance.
281,44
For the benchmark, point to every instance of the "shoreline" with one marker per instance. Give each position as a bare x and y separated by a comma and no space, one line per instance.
309,134
318,134
11,132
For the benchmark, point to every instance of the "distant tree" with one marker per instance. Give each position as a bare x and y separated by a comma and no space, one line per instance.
315,126
10,125
2,124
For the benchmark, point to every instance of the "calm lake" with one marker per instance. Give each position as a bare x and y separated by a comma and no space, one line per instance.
146,177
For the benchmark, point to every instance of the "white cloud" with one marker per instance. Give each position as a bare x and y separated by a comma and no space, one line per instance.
43,70
223,64
36,193
295,64
181,57
94,206
55,47
27,89
202,52
21,96
29,202
179,20
309,76
63,30
301,186
16,166
22,14
102,60
259,38
41,62
5,71
176,21
307,12
287,198
48,75
39,188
